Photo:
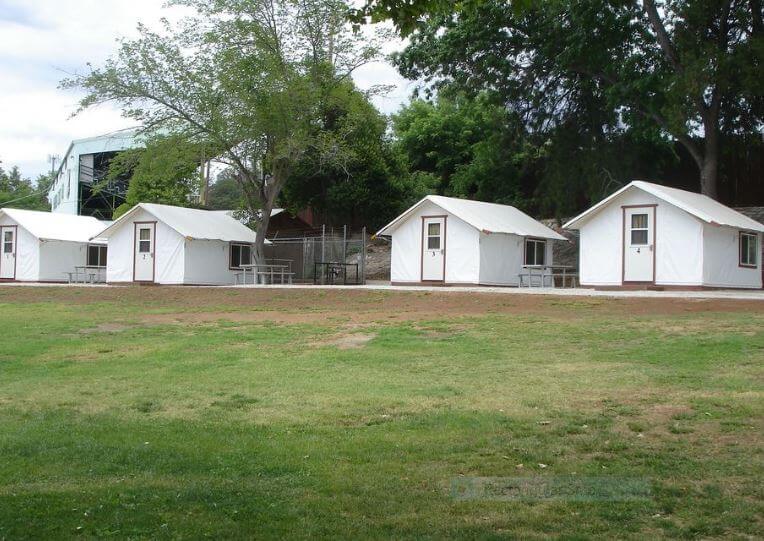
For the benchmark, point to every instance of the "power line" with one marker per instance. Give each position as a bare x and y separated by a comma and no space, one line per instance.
22,198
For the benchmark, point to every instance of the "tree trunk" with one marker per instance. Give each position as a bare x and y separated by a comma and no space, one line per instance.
709,170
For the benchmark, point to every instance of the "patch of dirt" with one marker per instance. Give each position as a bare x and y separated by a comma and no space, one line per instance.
105,327
184,305
348,341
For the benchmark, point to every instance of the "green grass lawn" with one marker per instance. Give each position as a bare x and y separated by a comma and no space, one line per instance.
149,415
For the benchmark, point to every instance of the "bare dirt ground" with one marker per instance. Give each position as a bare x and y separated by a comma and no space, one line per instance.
199,305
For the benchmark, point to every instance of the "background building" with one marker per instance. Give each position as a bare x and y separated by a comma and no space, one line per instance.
83,167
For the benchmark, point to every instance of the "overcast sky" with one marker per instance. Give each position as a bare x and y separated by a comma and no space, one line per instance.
41,41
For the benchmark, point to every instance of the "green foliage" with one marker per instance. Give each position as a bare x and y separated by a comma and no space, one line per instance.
248,77
467,148
21,193
165,170
225,193
682,71
364,187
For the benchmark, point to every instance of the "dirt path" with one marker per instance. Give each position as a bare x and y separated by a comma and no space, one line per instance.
187,304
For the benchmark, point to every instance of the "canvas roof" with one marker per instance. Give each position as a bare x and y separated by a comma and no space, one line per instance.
486,217
190,223
55,226
702,207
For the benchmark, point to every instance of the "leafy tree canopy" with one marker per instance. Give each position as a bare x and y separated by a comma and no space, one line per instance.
247,77
165,171
366,186
678,70
19,192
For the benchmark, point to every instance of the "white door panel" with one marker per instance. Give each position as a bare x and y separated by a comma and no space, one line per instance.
8,253
145,235
433,248
639,248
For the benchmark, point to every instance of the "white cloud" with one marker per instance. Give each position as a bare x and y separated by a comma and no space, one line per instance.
41,41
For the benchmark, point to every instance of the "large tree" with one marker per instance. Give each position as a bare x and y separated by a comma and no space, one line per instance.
689,70
366,188
246,77
17,191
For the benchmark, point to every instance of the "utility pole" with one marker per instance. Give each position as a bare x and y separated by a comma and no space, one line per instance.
53,158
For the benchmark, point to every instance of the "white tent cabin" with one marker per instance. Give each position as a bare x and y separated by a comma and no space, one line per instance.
43,246
457,241
163,244
646,234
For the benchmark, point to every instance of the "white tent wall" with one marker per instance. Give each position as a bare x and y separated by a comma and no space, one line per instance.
168,252
462,248
119,259
207,263
502,257
721,246
600,248
58,257
678,249
27,252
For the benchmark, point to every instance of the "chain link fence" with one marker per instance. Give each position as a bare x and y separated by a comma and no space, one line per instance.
322,256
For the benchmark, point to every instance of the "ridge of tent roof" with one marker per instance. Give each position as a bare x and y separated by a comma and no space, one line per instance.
485,217
45,225
190,223
701,206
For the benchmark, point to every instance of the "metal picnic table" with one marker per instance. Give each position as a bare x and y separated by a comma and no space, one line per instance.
331,270
85,274
266,272
548,271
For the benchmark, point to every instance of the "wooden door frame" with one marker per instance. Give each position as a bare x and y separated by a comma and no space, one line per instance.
654,206
422,245
15,250
153,252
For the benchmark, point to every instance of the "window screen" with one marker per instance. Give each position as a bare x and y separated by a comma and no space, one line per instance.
96,256
535,252
241,254
433,236
748,249
639,229
8,242
144,242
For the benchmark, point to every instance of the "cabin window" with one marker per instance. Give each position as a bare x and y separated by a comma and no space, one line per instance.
241,254
144,240
96,256
748,249
639,229
535,252
8,242
433,236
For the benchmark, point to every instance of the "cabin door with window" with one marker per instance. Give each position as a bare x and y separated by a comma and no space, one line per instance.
433,249
145,233
8,253
639,248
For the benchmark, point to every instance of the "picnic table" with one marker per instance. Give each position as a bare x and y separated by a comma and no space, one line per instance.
85,274
265,273
331,271
550,272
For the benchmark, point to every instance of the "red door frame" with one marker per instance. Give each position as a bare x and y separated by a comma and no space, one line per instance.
153,251
15,250
654,206
421,250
